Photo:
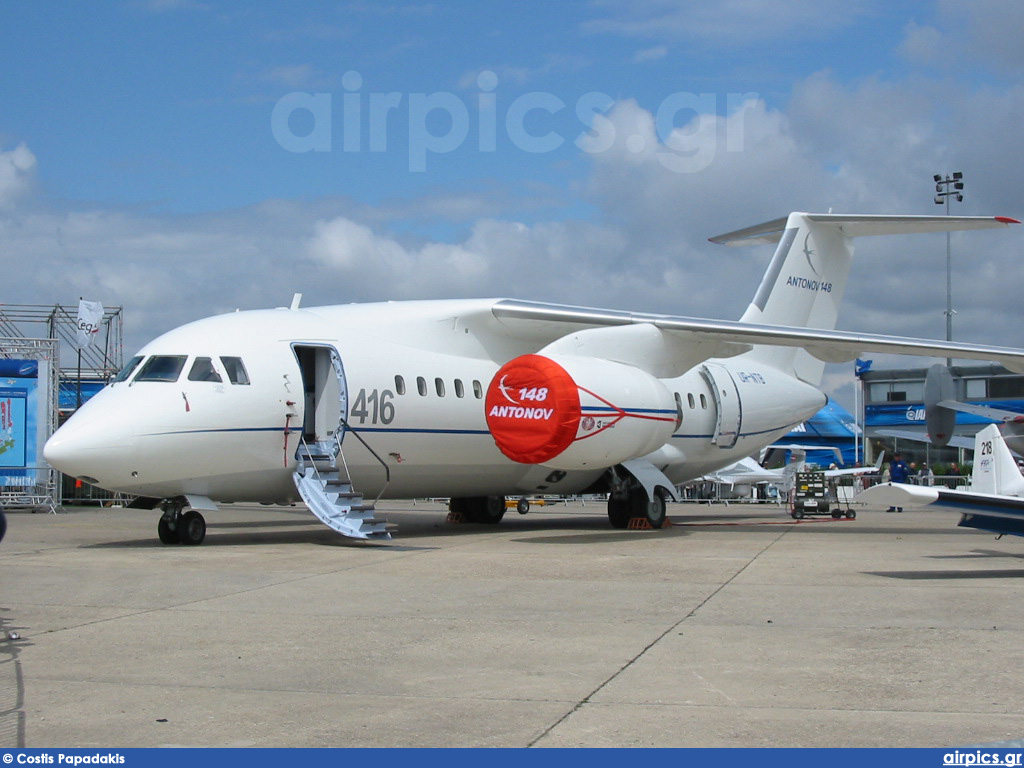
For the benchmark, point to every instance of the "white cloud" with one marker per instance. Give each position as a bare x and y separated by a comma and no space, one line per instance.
17,167
922,45
724,22
650,54
296,76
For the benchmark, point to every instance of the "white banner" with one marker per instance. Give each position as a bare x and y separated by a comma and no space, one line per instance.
90,317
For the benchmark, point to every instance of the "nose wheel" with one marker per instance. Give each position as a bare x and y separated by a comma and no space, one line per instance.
177,527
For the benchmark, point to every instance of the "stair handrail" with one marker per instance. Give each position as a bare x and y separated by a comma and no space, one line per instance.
366,445
306,457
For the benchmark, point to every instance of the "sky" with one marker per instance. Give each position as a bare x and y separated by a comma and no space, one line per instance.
184,158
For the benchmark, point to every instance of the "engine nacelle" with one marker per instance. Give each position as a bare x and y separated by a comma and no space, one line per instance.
577,412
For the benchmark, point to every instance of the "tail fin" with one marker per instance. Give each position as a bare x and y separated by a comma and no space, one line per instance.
805,280
995,470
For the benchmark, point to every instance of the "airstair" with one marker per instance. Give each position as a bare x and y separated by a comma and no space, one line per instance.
328,492
324,484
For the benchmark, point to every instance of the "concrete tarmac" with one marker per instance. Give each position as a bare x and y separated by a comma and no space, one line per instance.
735,627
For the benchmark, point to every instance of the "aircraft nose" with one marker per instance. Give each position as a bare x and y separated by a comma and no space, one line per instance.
93,445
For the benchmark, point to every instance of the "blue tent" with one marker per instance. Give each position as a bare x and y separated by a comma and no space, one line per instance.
831,427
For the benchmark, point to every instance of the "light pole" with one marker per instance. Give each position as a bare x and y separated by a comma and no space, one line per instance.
945,188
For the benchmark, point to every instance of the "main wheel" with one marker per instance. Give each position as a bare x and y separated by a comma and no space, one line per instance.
489,509
619,512
653,510
191,528
167,533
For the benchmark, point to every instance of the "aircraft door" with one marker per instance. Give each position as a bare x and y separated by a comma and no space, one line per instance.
727,403
325,393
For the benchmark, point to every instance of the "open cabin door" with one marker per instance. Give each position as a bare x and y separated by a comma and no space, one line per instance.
323,483
727,402
325,393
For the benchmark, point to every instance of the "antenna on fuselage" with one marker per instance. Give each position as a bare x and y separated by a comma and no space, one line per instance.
295,301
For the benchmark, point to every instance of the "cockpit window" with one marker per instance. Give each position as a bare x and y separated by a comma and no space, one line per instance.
235,369
127,370
203,370
162,368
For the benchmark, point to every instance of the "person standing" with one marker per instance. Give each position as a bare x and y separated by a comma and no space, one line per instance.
925,476
899,472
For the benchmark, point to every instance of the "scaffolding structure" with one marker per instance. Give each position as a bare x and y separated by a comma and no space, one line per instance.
98,361
48,334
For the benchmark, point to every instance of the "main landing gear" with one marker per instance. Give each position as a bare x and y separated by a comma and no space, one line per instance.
479,509
631,502
177,527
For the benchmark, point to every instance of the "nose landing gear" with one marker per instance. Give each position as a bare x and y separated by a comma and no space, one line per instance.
177,527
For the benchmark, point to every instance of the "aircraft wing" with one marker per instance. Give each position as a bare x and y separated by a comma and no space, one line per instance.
745,471
956,441
985,411
694,340
851,471
986,511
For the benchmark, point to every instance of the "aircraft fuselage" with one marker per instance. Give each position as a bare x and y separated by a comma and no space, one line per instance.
412,383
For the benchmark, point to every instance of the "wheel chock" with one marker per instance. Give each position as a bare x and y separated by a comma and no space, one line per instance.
455,517
643,524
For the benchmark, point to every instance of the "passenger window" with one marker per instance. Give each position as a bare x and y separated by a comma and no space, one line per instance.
235,370
127,370
439,386
421,386
400,385
162,368
460,391
203,370
478,391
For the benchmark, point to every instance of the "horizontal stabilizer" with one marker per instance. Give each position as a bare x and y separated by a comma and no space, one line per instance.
864,225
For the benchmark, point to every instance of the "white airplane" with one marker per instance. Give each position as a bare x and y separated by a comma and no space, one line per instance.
748,471
480,399
994,501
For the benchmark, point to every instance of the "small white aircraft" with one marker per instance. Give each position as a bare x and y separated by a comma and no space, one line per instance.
480,399
748,471
994,501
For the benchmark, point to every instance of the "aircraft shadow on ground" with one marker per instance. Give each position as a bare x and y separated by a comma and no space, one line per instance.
256,533
974,555
1000,573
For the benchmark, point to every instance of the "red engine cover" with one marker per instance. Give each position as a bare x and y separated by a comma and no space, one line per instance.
533,409
575,413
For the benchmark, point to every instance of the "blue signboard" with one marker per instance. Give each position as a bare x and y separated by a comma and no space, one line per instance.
19,423
907,414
